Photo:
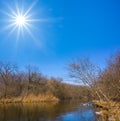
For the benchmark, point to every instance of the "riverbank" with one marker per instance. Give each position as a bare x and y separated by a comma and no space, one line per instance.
30,99
109,111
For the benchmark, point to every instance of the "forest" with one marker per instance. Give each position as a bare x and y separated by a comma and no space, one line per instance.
32,86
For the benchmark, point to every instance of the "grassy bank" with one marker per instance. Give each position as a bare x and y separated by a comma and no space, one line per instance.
30,99
109,111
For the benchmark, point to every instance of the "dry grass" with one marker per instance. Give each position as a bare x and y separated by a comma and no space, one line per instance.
30,99
39,98
110,111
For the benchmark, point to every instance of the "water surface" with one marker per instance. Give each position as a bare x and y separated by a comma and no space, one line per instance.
63,111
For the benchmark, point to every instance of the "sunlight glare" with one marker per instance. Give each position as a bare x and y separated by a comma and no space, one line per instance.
20,20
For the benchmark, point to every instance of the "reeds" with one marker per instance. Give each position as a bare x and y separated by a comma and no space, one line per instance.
30,99
110,111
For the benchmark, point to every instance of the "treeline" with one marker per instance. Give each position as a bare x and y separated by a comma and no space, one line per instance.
96,83
15,83
109,79
104,84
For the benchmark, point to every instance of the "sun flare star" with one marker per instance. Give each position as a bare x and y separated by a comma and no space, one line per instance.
20,20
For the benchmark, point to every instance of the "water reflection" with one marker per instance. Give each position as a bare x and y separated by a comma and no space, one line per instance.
64,111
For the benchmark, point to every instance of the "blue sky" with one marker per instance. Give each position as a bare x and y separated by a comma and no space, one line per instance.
72,28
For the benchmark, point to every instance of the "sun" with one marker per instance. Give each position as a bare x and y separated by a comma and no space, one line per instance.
20,20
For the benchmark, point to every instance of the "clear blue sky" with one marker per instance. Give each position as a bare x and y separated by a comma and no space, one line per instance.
71,28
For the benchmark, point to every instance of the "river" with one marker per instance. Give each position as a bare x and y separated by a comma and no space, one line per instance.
62,111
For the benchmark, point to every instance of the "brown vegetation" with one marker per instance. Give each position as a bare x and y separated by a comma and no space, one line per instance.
104,85
32,86
110,111
30,99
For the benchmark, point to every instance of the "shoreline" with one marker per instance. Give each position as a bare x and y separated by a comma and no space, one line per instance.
108,110
30,99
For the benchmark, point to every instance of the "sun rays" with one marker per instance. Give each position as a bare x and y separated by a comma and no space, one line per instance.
20,21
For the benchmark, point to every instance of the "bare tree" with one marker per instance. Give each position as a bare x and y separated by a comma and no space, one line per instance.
84,71
36,81
110,78
6,72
